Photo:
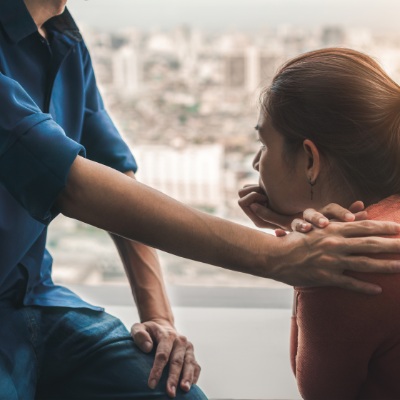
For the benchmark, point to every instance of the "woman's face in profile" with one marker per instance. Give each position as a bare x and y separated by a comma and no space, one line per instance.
282,176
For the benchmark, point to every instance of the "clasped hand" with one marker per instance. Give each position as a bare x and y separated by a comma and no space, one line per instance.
322,257
254,202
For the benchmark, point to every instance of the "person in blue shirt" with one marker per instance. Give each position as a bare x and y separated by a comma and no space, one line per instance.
61,153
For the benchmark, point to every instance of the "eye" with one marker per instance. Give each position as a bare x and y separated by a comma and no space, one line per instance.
262,145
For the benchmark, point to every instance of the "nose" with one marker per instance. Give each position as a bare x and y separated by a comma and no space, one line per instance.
256,161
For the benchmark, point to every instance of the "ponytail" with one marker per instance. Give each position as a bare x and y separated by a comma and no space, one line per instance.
349,107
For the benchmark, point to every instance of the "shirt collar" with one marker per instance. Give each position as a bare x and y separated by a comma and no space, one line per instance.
18,23
16,20
64,23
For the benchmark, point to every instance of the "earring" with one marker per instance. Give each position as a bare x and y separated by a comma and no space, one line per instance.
311,186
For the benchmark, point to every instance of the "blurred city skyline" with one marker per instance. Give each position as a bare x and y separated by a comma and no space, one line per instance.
184,97
250,15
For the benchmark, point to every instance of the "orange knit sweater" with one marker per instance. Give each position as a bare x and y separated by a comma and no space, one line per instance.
346,345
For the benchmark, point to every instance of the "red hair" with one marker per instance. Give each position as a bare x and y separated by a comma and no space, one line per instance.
349,107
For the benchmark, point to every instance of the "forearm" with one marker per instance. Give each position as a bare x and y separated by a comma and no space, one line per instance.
105,198
145,278
109,200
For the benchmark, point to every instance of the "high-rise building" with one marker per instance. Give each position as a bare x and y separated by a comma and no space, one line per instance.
126,71
333,36
235,70
268,66
192,174
250,68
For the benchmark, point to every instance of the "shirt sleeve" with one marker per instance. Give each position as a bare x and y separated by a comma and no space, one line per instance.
35,153
100,137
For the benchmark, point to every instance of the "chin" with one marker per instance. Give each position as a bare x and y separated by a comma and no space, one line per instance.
284,209
277,209
61,7
61,10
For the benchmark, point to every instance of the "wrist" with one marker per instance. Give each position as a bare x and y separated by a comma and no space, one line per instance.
274,259
161,316
168,323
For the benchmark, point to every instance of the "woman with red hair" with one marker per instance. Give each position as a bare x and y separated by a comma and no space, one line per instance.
329,129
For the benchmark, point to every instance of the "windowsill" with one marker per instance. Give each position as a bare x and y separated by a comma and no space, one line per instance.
241,335
194,296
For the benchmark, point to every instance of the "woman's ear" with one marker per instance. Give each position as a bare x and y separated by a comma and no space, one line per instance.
313,164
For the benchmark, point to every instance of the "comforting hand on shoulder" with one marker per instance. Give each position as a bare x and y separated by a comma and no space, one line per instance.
320,257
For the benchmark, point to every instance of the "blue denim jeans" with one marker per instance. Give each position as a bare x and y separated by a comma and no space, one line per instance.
66,354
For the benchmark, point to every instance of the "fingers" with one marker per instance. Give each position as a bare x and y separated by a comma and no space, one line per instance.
191,369
325,254
300,225
316,218
176,362
320,219
163,353
173,349
252,198
183,366
356,207
335,211
361,216
270,218
250,188
349,283
141,337
251,204
366,228
371,265
254,202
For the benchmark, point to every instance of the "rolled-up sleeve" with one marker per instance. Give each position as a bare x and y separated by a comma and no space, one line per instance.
35,153
100,137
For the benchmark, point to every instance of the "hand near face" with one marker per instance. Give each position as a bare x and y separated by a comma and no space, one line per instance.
320,219
254,203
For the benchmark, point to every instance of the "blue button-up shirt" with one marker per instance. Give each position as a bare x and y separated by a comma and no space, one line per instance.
50,111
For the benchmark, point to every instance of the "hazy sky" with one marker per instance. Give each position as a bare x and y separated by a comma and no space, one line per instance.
241,14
